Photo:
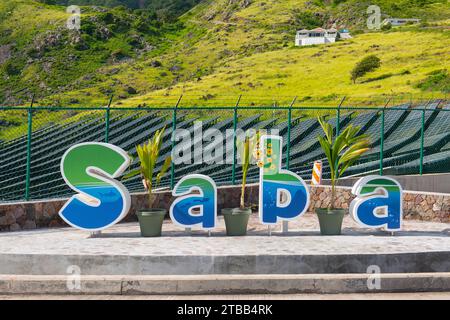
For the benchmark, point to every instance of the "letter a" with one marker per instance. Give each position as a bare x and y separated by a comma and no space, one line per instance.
274,182
181,210
378,202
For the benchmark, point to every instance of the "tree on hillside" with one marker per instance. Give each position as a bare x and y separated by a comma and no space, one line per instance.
367,64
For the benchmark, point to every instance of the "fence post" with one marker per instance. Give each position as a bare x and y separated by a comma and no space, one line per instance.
108,112
422,138
382,137
174,128
29,136
288,148
338,122
235,120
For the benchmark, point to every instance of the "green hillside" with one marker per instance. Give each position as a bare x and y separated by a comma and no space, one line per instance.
321,75
168,9
39,54
217,50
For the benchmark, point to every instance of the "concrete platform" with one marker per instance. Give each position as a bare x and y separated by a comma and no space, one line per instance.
421,247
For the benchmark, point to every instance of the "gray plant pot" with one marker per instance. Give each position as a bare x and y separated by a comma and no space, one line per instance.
330,221
151,221
236,221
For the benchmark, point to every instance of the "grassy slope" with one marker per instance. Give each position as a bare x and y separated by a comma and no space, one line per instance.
34,20
201,48
27,27
49,57
322,72
228,49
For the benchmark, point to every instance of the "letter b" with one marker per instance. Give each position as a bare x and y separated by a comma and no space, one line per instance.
283,195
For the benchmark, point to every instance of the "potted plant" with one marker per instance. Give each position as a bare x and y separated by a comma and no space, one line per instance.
341,153
150,219
236,219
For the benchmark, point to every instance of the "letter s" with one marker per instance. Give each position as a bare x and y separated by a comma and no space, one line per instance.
90,169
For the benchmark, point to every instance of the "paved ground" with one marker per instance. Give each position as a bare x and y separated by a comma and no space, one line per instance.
420,247
303,238
352,296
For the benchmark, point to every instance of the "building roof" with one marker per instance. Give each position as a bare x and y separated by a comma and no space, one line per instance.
322,30
318,30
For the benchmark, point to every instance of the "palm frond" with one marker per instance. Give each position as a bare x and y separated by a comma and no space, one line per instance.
344,150
164,168
148,155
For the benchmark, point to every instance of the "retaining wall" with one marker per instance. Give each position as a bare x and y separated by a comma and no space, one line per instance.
44,214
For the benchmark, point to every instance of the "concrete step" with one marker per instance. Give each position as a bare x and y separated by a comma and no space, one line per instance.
320,262
120,250
222,284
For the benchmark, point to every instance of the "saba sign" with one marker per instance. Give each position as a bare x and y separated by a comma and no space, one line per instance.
92,169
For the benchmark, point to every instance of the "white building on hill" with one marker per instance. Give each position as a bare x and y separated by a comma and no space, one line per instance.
344,34
315,36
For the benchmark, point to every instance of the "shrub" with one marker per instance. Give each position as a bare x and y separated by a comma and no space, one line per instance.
367,64
135,41
357,31
386,26
156,64
33,53
118,55
12,69
438,80
308,20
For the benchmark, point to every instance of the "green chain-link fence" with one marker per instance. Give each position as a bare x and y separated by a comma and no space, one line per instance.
405,139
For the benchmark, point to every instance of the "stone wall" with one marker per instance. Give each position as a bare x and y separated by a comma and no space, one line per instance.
416,205
32,215
434,183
